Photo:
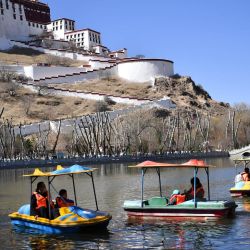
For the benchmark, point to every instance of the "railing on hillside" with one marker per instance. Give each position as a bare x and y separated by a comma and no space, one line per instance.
110,159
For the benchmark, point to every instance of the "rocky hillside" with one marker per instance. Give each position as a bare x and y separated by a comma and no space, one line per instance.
22,105
189,96
182,90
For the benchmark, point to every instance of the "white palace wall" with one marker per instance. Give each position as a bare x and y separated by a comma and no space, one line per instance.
16,29
143,70
38,72
134,70
81,77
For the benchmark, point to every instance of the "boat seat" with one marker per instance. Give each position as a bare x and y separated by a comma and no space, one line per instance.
239,184
158,201
25,209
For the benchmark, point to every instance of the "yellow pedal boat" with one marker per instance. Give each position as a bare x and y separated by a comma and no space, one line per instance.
71,219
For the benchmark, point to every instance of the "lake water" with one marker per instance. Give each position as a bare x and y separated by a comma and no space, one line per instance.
114,184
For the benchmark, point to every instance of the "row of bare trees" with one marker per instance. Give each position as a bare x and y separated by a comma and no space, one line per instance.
143,131
147,132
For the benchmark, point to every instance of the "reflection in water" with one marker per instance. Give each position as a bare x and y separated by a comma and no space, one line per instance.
116,183
246,204
35,239
181,234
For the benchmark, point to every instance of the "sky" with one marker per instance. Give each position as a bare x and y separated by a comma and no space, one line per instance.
207,40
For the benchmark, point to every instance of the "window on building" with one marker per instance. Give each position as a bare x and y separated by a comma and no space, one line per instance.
33,24
20,8
2,12
1,4
7,4
41,26
53,29
21,18
56,28
60,27
37,25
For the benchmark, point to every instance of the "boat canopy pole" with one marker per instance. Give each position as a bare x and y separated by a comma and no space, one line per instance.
49,198
208,184
142,184
73,181
195,173
31,182
159,175
93,184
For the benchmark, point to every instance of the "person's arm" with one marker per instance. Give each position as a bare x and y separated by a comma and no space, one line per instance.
33,204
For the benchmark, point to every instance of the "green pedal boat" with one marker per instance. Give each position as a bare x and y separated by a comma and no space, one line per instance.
159,207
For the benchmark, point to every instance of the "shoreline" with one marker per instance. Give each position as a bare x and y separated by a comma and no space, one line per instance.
108,159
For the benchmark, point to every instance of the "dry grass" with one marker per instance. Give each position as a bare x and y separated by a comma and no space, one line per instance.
27,56
116,87
27,107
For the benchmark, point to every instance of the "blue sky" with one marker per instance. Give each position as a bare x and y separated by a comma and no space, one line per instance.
207,40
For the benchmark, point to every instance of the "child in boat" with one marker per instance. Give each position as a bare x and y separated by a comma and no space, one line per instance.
245,175
62,200
199,194
176,198
39,205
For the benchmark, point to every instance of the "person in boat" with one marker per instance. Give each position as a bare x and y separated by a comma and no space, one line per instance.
238,178
39,205
245,175
177,198
199,194
62,200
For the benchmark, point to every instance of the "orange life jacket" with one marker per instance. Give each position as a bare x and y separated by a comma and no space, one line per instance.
64,202
41,201
198,190
179,198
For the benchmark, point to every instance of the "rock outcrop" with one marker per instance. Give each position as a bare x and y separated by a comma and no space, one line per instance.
188,95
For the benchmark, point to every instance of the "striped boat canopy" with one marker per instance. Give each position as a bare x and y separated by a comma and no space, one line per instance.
194,163
75,169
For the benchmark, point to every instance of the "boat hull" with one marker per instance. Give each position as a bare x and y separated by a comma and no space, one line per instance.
51,229
187,209
177,213
72,219
241,188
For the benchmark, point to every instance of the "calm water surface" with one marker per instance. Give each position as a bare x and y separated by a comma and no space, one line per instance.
114,184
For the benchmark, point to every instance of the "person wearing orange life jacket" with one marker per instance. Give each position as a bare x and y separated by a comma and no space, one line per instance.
199,194
62,200
245,175
176,198
39,205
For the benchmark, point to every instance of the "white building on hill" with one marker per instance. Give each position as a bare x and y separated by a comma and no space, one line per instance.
85,38
23,19
88,39
26,20
61,26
